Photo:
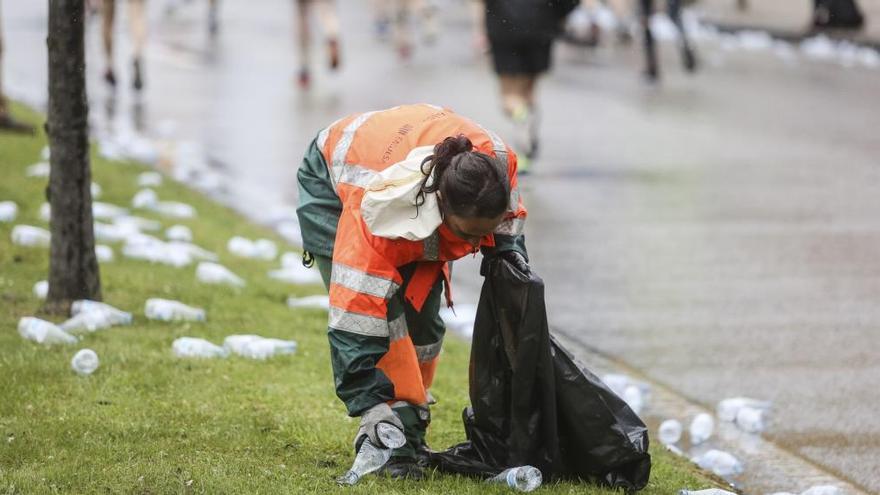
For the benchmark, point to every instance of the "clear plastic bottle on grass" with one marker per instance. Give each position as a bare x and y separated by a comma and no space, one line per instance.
371,458
708,491
520,478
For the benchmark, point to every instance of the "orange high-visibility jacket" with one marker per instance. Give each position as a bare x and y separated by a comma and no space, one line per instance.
365,266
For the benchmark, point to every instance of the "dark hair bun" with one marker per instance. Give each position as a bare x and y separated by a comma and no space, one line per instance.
451,146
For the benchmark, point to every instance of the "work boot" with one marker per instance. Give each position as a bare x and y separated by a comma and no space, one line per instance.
403,468
138,82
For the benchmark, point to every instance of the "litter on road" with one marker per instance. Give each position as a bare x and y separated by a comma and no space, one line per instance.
190,347
701,428
719,462
43,332
84,362
168,310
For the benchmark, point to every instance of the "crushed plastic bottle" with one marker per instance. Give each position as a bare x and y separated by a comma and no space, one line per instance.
41,289
728,408
260,249
370,457
117,316
257,347
520,478
750,420
701,428
43,332
708,491
149,179
180,233
103,253
30,236
669,431
107,211
168,310
84,362
316,302
191,347
213,273
8,211
719,462
822,490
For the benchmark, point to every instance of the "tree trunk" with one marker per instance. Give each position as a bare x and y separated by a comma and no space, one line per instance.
73,267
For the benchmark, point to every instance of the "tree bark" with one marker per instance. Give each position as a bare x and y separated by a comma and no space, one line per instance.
73,267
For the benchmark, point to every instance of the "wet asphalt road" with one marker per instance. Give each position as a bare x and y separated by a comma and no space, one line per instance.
719,233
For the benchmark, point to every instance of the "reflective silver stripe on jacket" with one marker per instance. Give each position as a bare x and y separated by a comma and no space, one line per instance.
344,144
514,200
431,246
322,136
347,321
355,175
428,352
511,226
362,282
397,328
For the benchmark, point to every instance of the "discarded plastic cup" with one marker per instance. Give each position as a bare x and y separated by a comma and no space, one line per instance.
669,431
371,458
521,478
84,362
701,428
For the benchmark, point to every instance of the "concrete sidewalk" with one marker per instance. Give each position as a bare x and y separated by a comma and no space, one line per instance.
786,19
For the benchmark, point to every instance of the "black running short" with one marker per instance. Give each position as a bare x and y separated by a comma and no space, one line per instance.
521,57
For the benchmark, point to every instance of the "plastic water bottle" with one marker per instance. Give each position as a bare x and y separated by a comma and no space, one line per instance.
190,347
149,179
145,199
213,273
256,347
117,316
701,428
175,209
89,321
669,431
103,253
168,310
520,478
180,233
30,236
84,362
719,462
728,408
43,332
8,211
316,302
632,395
750,420
371,458
708,491
822,490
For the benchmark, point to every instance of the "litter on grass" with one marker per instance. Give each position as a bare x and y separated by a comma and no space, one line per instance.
257,347
315,302
43,332
169,310
30,236
190,347
213,273
41,289
8,211
263,249
103,253
180,233
84,362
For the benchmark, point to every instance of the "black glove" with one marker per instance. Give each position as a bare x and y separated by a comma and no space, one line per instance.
516,259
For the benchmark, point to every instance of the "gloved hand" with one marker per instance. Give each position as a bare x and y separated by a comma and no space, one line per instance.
518,260
370,419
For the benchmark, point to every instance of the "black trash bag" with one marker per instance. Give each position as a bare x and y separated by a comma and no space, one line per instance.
532,404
